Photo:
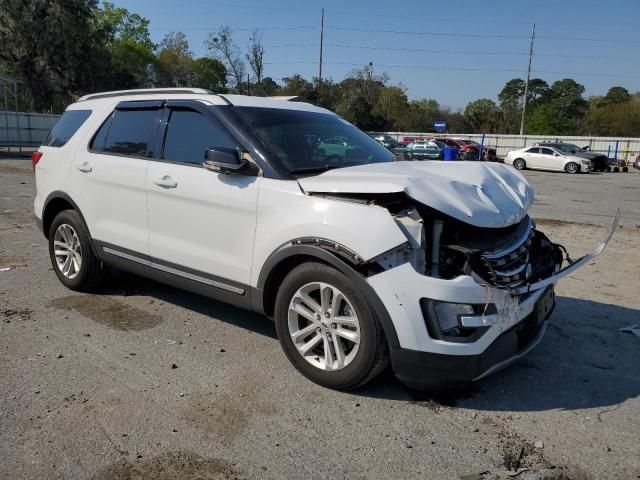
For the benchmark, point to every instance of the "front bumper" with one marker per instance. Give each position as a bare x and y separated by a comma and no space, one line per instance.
425,370
514,326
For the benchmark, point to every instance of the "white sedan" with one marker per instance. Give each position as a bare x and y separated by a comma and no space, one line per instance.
547,158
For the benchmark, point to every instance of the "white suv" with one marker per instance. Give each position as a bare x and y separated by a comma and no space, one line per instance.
359,259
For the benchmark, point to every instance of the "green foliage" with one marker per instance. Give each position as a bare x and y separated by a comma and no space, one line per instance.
617,95
53,47
483,115
617,119
209,73
128,41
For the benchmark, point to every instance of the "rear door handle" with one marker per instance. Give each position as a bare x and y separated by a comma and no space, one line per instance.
165,182
84,167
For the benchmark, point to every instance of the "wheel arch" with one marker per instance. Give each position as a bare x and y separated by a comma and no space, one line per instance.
285,259
55,203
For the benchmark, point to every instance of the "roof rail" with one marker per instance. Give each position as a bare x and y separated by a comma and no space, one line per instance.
144,91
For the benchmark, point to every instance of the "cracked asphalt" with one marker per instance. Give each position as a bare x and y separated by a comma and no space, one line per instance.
144,381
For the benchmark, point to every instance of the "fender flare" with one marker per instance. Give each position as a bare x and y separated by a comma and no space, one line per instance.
292,249
57,194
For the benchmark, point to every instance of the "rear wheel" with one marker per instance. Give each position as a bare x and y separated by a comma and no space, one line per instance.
519,164
71,255
572,167
327,328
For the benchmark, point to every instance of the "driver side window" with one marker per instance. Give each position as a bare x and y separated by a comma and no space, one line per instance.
189,134
546,151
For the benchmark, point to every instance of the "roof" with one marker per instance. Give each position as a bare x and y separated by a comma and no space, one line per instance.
201,94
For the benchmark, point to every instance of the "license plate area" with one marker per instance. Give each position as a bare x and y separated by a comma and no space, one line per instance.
545,304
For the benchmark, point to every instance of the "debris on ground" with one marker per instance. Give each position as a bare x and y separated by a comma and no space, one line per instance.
539,444
7,268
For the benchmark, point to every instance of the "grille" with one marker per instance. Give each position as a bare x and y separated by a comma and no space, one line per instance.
509,266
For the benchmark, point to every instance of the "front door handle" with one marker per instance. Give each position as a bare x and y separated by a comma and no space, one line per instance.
166,182
84,167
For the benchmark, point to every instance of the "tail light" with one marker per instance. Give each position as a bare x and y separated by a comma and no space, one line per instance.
35,158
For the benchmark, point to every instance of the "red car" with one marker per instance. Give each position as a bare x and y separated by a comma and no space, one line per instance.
470,150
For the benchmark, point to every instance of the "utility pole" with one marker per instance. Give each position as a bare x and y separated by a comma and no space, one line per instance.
248,85
321,44
526,85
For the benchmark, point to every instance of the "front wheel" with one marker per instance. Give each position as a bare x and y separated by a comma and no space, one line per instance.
327,328
572,167
519,164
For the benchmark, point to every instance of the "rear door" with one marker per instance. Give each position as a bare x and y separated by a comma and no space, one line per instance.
201,223
108,180
532,157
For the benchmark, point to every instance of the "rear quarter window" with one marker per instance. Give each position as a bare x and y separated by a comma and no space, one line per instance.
66,127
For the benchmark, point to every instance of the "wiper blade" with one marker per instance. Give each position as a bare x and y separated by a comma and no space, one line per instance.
323,168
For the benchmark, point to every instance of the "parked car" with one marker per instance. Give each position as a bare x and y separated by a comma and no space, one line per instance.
465,150
333,147
425,150
386,140
547,158
599,161
489,154
435,267
636,163
401,148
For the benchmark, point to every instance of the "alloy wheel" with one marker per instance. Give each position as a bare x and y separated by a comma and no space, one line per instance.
67,251
324,326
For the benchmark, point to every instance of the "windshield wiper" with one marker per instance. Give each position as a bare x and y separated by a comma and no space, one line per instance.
323,168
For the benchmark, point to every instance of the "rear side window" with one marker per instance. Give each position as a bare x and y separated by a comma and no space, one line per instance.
66,127
190,133
127,132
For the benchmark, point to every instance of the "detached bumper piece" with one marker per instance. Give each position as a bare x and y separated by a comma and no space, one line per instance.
435,371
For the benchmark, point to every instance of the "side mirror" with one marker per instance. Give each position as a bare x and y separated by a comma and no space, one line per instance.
556,154
223,160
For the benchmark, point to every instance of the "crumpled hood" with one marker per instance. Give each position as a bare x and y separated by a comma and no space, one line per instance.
490,195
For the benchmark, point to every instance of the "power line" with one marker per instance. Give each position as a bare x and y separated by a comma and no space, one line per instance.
475,52
251,29
463,69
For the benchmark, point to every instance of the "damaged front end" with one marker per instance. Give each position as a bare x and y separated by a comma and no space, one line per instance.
454,289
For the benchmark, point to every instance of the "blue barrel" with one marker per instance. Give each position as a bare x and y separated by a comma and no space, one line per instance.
450,153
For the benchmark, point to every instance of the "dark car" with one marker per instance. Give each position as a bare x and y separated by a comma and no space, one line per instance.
599,161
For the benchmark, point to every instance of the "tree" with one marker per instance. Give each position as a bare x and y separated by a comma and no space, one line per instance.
392,104
174,65
614,119
268,87
222,47
53,48
296,85
617,95
510,98
129,44
255,55
209,73
549,119
483,115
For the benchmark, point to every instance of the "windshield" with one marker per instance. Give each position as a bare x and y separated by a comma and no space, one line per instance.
305,142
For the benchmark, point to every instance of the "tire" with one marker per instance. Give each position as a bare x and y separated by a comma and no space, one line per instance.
77,268
572,167
361,361
519,164
625,169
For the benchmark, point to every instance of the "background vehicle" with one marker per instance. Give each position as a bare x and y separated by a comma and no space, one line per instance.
547,158
425,150
598,160
466,151
636,163
333,147
386,140
489,154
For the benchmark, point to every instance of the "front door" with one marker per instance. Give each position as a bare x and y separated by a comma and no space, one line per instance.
201,223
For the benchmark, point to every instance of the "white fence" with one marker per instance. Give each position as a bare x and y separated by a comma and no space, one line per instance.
628,148
22,129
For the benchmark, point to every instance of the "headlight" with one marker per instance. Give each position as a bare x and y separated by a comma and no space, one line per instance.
586,162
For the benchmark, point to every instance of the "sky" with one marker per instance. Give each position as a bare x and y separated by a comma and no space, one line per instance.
454,51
